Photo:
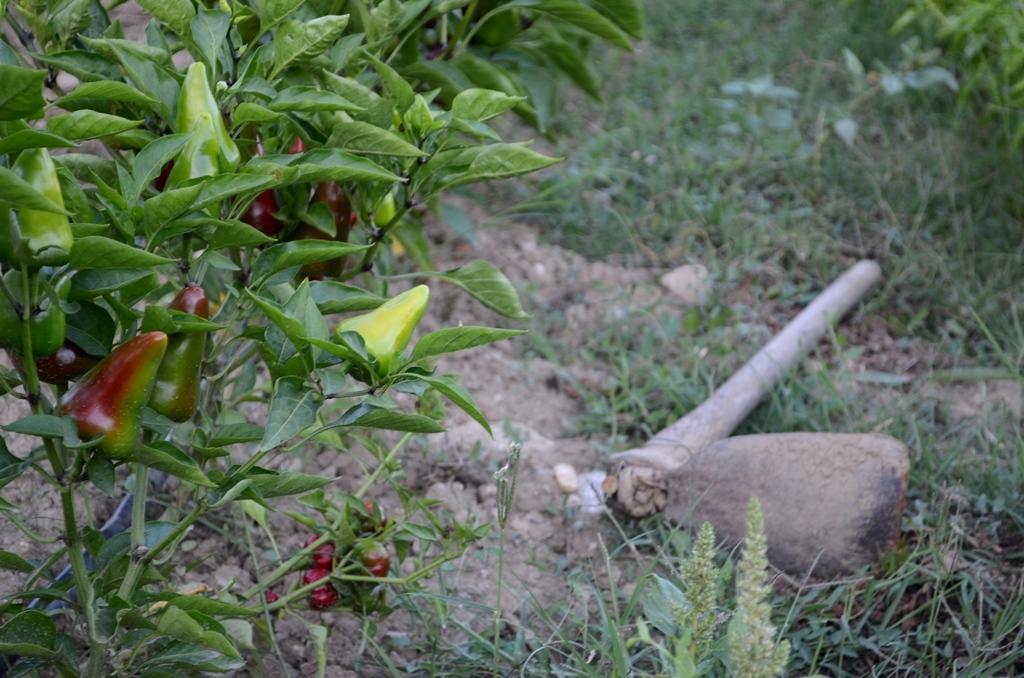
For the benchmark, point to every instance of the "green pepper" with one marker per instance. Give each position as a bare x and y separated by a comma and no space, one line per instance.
386,330
200,157
176,392
110,398
386,210
30,237
196,102
47,318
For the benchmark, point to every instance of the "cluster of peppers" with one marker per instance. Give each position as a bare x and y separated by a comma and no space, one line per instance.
372,555
150,369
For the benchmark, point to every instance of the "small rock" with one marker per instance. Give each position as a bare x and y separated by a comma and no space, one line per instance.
565,476
688,283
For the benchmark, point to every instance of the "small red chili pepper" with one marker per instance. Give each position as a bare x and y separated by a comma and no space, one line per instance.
375,558
323,557
315,575
323,597
271,597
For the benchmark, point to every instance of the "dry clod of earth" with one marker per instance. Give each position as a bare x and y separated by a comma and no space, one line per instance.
689,283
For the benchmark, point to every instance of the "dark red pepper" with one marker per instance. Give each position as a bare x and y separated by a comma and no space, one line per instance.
69,362
323,597
260,214
315,575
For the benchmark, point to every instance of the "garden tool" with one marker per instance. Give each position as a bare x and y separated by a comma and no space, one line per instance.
832,502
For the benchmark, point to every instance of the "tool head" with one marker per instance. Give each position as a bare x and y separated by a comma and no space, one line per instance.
832,502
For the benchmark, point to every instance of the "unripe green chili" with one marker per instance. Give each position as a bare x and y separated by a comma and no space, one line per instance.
30,237
386,330
47,317
176,391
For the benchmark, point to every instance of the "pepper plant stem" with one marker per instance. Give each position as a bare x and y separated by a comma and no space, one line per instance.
79,571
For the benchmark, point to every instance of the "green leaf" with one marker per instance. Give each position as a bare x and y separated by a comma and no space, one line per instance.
21,92
489,286
101,472
293,408
96,282
272,12
234,233
500,161
84,65
296,41
88,94
627,14
99,252
211,606
170,204
151,78
323,164
42,425
232,434
249,112
86,124
374,416
451,339
91,329
17,192
150,161
450,389
271,485
397,89
32,138
171,321
336,297
177,623
14,562
581,16
169,459
175,14
482,104
209,28
30,634
298,253
310,100
190,658
362,137
223,186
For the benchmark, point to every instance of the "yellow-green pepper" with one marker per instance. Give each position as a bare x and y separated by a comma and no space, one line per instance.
386,330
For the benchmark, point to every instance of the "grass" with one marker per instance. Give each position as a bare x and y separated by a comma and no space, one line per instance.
672,168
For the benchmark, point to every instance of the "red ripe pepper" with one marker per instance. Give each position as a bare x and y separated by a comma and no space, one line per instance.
69,362
331,194
260,214
298,147
270,597
323,556
161,181
176,392
323,597
109,400
314,575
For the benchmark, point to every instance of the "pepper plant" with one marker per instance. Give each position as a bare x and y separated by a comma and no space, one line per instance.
178,241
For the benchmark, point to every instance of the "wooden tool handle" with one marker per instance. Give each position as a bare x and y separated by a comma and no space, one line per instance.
723,411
